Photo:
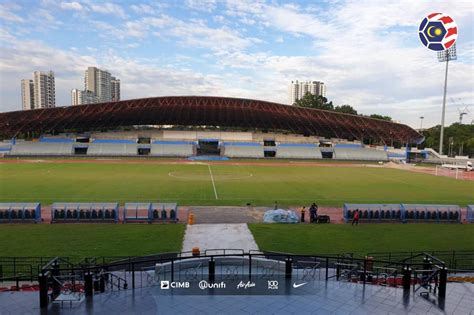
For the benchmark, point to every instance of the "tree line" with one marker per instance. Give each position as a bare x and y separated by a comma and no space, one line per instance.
458,139
320,102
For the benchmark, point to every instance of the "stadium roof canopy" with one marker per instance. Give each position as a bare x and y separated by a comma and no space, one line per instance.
206,111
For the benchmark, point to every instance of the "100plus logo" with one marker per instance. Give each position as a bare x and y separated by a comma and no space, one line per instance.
166,285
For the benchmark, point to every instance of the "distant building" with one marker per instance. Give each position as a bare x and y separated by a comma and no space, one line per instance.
299,89
44,89
27,94
99,87
102,84
79,97
115,89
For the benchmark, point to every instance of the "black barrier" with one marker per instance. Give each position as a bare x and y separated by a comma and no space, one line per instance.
106,274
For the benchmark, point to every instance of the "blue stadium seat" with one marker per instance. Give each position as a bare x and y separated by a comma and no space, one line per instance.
422,215
94,214
82,214
13,214
27,214
113,214
164,215
69,214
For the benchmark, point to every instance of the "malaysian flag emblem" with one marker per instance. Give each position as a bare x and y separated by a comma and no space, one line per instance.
438,31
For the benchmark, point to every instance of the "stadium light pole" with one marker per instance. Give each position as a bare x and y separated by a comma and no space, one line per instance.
445,56
421,122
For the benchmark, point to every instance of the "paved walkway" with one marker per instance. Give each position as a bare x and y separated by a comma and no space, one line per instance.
218,236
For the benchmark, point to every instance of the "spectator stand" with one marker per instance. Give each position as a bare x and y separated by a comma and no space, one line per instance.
470,214
11,212
374,212
164,212
432,213
100,212
137,212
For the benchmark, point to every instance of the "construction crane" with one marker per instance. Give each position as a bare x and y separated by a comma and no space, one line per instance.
462,111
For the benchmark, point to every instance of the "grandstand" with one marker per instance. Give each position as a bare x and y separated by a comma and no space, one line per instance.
41,148
112,147
243,150
173,148
298,151
214,126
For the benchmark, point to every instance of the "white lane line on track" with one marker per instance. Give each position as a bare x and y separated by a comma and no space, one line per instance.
212,179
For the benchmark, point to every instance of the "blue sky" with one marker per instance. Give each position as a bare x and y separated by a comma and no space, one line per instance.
367,52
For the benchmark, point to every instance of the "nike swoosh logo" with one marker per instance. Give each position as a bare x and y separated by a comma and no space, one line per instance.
299,285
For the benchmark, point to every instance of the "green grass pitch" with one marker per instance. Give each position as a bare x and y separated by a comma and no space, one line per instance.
89,240
291,184
362,239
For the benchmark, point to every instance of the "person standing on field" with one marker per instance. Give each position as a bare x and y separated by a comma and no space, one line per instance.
356,217
303,210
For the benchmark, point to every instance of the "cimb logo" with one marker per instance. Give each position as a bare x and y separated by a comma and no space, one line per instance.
166,285
203,285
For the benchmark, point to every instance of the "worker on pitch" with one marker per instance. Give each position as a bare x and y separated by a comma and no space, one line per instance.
303,210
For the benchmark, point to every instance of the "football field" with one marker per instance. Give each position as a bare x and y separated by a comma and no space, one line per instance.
230,184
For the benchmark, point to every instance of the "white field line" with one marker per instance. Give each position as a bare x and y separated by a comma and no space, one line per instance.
212,179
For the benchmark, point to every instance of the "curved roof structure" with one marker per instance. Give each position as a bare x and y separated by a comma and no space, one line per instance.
206,111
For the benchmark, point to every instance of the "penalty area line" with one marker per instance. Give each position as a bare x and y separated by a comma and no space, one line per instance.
212,179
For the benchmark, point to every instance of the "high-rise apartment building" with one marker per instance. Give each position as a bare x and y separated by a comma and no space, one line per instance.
115,89
99,87
39,92
299,89
79,97
27,94
44,89
101,83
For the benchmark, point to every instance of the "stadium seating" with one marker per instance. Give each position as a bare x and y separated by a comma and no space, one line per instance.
29,148
20,212
56,140
164,212
432,213
243,149
404,212
150,212
173,148
113,147
470,214
298,151
374,212
360,154
84,212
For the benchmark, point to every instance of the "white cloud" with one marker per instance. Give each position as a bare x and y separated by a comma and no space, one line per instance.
202,5
142,9
7,14
71,6
109,8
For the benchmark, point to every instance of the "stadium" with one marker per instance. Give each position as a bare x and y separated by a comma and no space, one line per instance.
128,194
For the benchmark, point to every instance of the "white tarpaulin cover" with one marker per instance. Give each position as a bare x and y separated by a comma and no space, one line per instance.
280,216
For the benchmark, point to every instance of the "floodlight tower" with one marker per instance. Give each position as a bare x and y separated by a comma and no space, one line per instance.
445,56
421,122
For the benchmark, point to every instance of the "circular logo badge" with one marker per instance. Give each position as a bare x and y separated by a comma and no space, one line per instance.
438,31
